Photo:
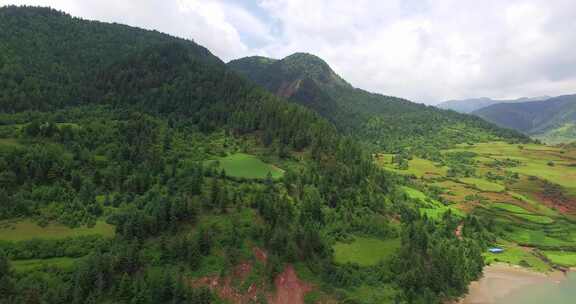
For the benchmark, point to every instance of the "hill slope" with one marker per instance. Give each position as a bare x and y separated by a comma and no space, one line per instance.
139,158
473,104
383,122
552,120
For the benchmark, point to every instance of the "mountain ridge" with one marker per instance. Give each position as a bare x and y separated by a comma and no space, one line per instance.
552,117
472,104
381,121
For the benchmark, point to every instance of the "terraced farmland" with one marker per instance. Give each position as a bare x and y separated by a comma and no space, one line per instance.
528,192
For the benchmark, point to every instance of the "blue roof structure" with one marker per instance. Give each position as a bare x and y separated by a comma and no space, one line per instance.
496,250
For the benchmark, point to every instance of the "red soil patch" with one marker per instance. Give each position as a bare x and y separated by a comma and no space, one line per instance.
287,89
458,231
225,288
289,288
260,255
563,204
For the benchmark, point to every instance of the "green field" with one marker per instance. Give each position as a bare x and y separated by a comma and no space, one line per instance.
365,251
541,209
414,194
482,184
26,230
534,218
518,256
534,160
455,191
562,258
32,264
562,134
431,208
248,166
537,238
8,144
417,166
369,294
510,208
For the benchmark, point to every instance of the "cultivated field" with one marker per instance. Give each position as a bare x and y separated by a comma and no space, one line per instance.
247,166
26,230
365,251
33,264
527,191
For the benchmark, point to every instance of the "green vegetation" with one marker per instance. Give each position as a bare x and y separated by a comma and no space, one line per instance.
248,166
536,238
510,208
26,230
482,184
414,194
8,144
36,264
562,258
517,255
510,188
551,120
384,123
416,166
539,219
432,208
369,294
365,251
534,160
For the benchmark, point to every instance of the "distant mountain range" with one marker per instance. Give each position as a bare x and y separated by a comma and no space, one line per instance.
473,104
385,122
552,120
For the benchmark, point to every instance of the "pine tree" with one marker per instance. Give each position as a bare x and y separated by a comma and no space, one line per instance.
124,289
215,194
6,283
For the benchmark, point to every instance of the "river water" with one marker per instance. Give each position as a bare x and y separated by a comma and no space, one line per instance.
549,292
504,284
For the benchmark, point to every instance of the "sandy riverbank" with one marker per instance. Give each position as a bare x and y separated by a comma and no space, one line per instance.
500,280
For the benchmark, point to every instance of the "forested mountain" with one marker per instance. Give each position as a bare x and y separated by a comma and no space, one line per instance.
124,179
552,120
383,122
473,104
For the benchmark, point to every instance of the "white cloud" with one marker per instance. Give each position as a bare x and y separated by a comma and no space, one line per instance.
436,50
425,50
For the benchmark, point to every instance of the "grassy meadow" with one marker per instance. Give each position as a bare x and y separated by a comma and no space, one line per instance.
517,255
243,165
26,230
365,251
562,258
63,263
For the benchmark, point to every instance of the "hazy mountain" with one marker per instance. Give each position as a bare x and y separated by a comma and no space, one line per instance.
473,104
551,120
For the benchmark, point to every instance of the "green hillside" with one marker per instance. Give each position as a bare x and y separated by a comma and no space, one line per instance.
110,191
382,122
551,120
474,104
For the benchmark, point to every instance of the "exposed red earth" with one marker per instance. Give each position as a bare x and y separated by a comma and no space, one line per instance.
288,288
227,290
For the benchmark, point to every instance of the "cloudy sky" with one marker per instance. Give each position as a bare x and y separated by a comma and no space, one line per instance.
424,50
